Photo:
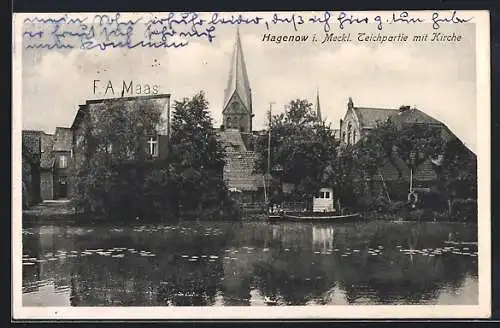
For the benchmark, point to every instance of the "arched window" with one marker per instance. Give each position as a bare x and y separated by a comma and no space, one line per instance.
353,137
228,124
349,138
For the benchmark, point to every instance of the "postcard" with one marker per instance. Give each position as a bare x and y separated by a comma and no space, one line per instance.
251,165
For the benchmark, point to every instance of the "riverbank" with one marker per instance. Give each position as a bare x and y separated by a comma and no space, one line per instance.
63,212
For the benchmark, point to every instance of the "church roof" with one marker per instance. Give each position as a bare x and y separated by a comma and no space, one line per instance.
414,116
238,78
239,168
368,117
239,171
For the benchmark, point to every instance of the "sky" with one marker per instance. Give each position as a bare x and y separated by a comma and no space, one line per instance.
437,78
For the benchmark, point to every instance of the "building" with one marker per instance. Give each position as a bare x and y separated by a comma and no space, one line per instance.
83,125
236,134
237,109
394,176
46,161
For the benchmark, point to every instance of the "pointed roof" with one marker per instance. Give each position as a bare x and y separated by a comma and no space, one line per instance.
318,107
238,78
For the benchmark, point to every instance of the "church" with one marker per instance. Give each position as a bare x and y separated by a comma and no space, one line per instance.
236,132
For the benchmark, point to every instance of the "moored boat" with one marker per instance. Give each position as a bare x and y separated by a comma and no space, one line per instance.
318,216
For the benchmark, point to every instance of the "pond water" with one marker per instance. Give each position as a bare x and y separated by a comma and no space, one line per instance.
245,264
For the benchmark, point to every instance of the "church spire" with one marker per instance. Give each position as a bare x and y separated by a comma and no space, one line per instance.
238,83
318,107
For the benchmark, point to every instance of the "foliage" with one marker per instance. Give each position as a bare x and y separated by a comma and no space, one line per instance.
118,180
416,143
301,147
454,164
197,156
464,210
458,174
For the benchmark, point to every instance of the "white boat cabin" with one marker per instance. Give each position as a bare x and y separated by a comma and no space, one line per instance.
323,201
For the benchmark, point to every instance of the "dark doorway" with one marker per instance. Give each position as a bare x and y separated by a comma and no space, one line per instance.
62,187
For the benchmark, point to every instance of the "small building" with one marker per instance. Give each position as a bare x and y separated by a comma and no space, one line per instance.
323,201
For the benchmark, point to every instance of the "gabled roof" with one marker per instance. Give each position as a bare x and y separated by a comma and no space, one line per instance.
369,117
31,142
63,139
238,77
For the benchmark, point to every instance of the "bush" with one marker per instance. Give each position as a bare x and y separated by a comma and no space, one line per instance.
464,210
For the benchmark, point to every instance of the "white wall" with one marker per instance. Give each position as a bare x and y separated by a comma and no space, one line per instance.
325,203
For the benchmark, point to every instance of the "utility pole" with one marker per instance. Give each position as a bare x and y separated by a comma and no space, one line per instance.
269,140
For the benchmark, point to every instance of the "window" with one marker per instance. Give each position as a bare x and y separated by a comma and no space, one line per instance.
349,138
327,194
343,136
63,161
321,195
228,125
153,146
353,137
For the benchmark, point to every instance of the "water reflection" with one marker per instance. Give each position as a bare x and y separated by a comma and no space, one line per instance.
215,264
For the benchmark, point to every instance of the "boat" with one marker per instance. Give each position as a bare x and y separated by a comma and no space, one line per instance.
318,216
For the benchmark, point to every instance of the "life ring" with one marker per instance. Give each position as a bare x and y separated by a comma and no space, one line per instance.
412,198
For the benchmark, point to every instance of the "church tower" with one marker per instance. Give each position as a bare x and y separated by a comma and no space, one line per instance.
237,110
318,108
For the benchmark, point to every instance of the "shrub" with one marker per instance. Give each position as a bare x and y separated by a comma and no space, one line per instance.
464,210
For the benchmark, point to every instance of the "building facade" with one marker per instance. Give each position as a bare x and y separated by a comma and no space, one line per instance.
83,126
46,161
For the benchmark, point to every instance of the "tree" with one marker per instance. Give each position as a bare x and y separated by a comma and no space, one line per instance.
301,146
458,172
416,143
197,157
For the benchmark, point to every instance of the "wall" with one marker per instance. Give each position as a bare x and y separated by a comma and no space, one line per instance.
238,115
47,185
324,204
349,118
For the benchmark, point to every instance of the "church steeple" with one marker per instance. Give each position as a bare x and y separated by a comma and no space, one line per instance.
318,107
237,110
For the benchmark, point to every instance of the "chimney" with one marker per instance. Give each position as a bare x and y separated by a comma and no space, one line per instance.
404,108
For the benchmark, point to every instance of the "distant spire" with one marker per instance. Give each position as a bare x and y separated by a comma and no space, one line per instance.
318,107
238,82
